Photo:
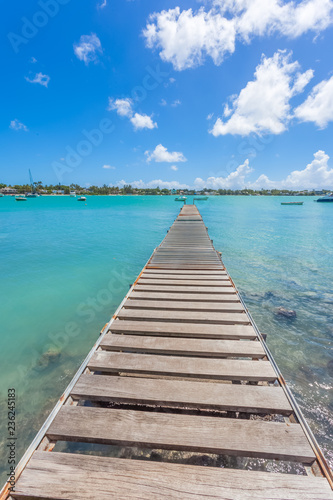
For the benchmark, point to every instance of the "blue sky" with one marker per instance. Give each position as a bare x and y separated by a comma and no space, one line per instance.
232,93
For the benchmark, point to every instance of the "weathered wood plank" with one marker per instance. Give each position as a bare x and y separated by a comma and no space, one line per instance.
66,476
192,297
251,438
206,317
181,366
183,282
185,289
184,347
182,394
180,305
213,277
187,330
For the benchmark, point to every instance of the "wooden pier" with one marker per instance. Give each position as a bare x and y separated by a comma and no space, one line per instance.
180,369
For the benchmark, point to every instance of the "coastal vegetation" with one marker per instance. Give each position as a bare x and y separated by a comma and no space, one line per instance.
127,189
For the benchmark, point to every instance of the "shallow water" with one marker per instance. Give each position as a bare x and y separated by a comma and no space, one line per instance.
65,267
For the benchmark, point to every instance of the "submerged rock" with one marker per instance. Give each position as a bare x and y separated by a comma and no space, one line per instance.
330,368
47,358
286,313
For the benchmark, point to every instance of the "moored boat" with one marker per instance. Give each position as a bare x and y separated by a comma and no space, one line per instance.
327,198
292,203
20,197
181,198
72,194
82,198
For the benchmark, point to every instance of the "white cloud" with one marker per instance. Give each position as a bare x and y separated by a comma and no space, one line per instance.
39,78
316,175
235,180
210,116
102,4
263,106
109,167
33,60
161,154
140,184
186,37
16,125
176,103
172,80
142,121
163,102
123,107
87,48
174,167
318,107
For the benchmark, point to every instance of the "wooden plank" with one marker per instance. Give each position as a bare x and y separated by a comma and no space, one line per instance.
182,282
185,289
184,305
66,476
187,330
250,438
187,277
182,394
181,366
153,272
181,346
192,297
207,317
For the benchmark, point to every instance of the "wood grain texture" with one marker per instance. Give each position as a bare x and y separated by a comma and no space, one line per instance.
187,330
180,366
180,346
191,297
252,438
65,476
182,394
206,317
179,305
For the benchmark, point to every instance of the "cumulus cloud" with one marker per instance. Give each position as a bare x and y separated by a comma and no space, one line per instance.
153,184
235,180
316,175
263,106
109,167
88,48
174,167
39,78
318,107
161,154
16,125
186,37
124,107
142,121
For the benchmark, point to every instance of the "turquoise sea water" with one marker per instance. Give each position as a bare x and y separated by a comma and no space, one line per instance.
65,267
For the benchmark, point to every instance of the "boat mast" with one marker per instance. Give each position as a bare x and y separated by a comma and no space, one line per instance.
33,187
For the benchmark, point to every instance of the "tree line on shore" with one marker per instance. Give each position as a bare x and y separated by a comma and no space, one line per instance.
128,189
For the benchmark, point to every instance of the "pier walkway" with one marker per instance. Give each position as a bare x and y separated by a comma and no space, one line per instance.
181,371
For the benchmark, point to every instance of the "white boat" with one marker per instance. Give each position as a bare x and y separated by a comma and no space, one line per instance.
20,197
72,194
1,195
327,198
181,198
82,198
